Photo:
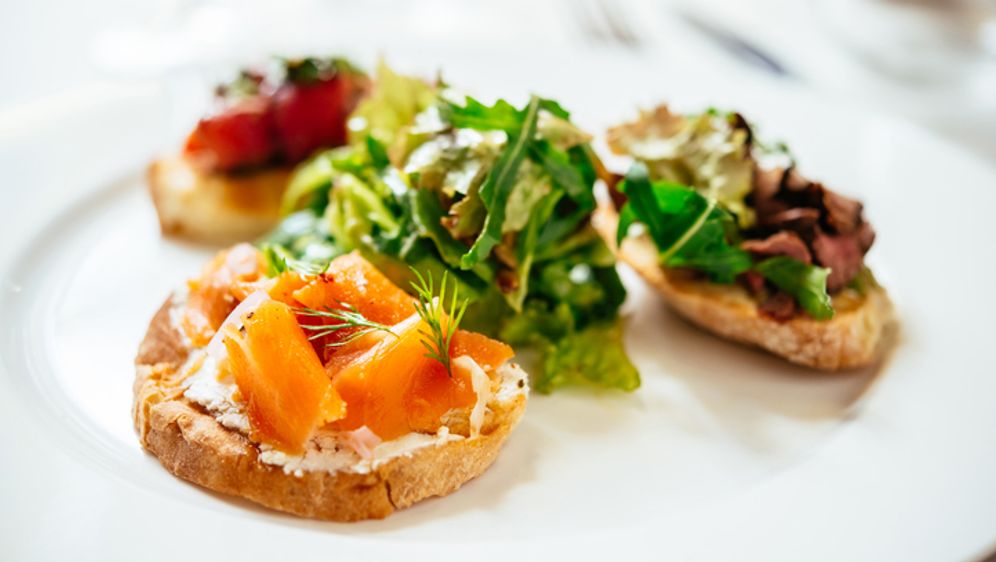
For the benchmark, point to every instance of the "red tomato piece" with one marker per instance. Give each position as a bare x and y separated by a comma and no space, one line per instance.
310,116
240,136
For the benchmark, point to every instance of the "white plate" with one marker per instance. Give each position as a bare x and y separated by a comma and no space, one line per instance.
723,453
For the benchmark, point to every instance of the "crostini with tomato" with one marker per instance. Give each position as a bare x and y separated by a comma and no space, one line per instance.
227,182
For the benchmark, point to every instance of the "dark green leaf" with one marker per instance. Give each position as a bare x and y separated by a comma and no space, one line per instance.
539,323
526,248
708,251
554,108
498,186
378,153
502,116
688,229
564,173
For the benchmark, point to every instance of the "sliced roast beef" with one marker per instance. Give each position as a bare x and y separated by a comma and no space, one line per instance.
804,220
843,214
800,220
767,184
783,243
792,180
842,254
754,282
779,306
865,236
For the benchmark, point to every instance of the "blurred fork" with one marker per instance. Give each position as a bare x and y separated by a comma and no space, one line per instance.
605,22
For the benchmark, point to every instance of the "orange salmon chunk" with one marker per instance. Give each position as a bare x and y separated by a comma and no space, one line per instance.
394,389
280,377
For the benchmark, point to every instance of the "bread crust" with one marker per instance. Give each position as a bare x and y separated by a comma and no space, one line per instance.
853,338
193,445
215,207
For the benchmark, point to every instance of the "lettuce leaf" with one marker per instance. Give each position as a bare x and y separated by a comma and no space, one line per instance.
594,356
391,107
806,283
354,209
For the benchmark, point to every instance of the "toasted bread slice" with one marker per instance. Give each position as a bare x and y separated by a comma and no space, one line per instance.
853,338
215,207
194,445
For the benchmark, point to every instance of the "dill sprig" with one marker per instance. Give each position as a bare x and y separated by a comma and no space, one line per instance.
432,309
347,317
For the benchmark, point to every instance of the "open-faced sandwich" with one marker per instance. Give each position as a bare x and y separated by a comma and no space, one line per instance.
496,196
741,243
328,393
227,182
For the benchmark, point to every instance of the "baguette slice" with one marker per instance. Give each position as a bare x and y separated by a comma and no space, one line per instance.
195,446
215,207
854,337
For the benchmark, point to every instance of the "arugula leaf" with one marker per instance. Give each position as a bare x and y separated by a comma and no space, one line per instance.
501,116
806,283
709,251
688,229
593,356
554,108
642,205
498,186
564,172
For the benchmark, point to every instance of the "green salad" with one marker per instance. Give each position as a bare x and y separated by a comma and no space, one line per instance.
496,196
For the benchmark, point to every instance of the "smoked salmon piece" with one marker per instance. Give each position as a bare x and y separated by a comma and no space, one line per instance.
394,389
210,300
287,392
293,385
353,280
488,353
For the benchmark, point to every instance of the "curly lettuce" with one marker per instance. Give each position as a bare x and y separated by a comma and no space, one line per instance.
707,152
